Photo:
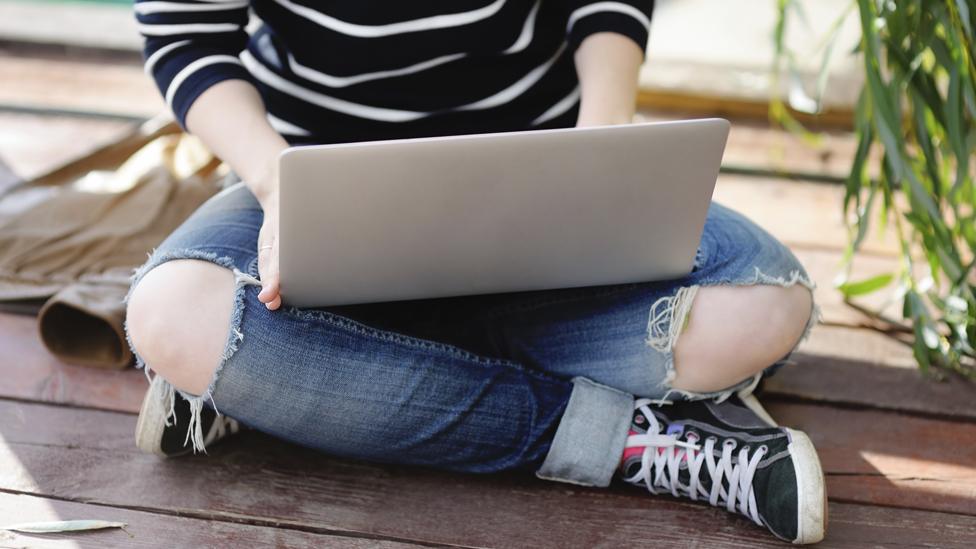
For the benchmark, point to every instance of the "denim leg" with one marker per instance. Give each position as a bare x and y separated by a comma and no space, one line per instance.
331,383
623,335
336,384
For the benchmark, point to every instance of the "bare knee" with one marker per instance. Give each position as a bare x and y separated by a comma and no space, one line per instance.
734,332
178,318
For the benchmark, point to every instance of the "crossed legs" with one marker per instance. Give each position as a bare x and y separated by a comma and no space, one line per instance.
179,313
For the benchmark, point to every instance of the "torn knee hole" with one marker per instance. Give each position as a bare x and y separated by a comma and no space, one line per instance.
668,318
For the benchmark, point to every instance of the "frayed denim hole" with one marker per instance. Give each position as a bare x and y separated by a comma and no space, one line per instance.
669,314
234,337
154,259
666,320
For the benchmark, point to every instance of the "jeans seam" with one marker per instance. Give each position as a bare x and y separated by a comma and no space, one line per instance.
579,294
214,248
223,224
417,343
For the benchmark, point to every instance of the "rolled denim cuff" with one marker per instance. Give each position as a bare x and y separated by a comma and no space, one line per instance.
591,435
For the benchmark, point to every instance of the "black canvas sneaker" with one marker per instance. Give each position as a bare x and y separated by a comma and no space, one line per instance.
164,423
725,454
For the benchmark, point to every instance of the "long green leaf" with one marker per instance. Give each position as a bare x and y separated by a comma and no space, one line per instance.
866,286
954,119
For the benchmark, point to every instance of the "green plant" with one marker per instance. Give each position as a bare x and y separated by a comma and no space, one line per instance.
917,112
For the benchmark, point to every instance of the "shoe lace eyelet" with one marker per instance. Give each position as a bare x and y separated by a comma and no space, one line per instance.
712,438
764,449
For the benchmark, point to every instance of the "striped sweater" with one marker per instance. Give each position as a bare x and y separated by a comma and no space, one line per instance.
333,71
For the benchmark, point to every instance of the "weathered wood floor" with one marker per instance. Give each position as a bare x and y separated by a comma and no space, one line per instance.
899,450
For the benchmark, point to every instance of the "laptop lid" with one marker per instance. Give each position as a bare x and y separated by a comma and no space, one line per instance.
488,213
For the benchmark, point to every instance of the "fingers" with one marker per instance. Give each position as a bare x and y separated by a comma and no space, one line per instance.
270,298
270,281
269,286
269,294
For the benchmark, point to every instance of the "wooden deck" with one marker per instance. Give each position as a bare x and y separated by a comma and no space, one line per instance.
899,450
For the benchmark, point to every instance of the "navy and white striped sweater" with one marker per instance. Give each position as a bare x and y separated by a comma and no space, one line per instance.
334,71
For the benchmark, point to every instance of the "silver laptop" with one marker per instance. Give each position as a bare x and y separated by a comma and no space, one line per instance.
450,216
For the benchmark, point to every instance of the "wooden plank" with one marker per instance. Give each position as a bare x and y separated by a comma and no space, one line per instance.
760,145
857,347
145,529
867,368
257,479
97,83
824,265
757,144
802,215
890,459
850,526
701,105
83,455
859,526
29,372
93,24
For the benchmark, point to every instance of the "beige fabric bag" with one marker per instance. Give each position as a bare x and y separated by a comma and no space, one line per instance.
76,244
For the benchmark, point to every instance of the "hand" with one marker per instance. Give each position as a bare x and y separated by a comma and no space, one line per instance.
268,253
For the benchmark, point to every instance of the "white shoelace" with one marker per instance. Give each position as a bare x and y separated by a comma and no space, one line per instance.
223,425
661,463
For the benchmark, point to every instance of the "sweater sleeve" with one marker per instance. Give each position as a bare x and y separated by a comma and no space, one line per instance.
192,45
631,18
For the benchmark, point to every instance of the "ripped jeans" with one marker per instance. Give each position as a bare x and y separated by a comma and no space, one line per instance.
543,380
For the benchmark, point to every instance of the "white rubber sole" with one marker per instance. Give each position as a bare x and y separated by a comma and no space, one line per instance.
151,423
811,489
